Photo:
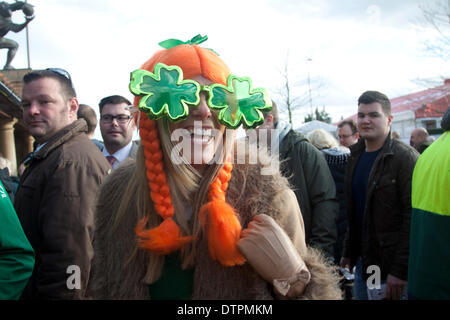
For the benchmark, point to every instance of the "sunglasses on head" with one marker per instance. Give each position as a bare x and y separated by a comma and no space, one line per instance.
60,72
166,95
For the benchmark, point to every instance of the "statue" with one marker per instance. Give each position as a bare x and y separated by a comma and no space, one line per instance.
7,25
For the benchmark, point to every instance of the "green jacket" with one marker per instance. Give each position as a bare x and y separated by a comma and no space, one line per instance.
429,261
311,179
16,253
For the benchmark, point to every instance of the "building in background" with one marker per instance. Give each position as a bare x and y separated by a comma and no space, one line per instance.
15,140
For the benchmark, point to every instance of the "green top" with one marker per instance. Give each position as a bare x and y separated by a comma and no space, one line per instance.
429,261
431,178
174,283
16,253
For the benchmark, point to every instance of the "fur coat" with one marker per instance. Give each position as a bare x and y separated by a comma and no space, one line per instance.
117,276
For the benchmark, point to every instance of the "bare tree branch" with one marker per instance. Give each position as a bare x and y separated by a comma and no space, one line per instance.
296,93
435,16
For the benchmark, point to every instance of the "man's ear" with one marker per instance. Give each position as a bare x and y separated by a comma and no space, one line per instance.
73,106
357,135
390,118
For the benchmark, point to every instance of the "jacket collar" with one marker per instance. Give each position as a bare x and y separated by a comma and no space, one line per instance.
282,128
360,146
291,138
74,129
387,147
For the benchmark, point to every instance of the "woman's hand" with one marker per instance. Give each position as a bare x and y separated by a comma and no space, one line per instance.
271,253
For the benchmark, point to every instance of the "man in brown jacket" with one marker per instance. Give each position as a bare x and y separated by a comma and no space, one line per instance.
57,191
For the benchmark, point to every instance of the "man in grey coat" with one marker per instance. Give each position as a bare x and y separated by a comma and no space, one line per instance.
310,178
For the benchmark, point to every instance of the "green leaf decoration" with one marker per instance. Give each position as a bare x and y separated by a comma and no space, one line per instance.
239,103
198,39
170,43
164,92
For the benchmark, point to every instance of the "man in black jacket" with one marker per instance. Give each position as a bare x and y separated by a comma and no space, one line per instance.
378,197
310,178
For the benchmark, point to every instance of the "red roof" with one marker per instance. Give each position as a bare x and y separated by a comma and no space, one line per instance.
430,103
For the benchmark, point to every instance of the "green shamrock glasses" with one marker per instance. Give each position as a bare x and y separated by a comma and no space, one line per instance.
166,95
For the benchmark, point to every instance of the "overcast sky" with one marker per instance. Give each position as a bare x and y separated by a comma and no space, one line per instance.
354,46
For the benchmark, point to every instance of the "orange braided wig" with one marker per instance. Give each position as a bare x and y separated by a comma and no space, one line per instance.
217,217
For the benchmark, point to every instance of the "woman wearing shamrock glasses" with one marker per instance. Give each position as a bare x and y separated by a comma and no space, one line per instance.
203,228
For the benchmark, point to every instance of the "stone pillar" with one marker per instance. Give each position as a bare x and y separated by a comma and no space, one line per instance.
7,144
24,142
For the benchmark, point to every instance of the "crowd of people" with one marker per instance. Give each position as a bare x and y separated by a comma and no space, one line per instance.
177,214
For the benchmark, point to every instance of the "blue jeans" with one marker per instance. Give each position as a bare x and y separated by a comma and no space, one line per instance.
359,284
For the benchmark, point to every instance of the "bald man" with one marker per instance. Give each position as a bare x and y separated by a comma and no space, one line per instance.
419,139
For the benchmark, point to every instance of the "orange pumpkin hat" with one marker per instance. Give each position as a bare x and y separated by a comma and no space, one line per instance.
217,217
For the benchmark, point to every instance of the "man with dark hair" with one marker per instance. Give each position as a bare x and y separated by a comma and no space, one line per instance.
348,133
309,175
117,126
88,114
56,195
378,198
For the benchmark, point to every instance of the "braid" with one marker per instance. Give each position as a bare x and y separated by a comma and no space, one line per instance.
159,189
219,186
166,237
224,228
